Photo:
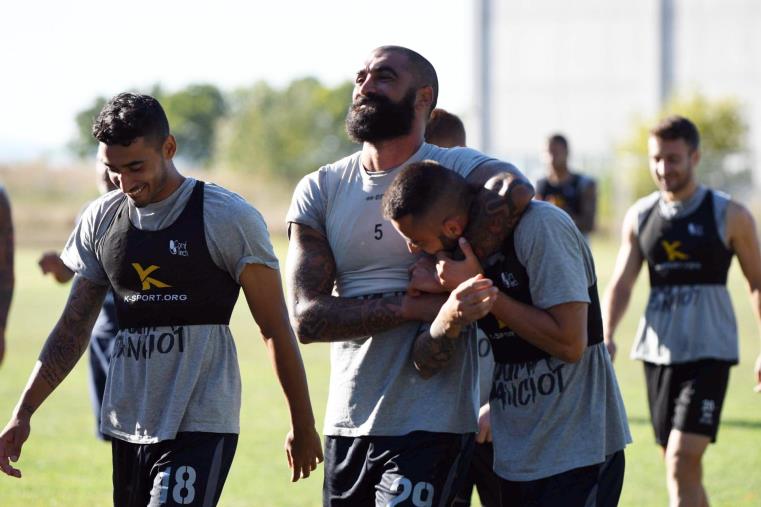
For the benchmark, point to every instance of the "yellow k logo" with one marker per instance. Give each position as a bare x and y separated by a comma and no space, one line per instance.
672,250
147,280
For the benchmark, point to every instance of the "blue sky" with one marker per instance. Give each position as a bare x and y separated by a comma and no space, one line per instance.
57,56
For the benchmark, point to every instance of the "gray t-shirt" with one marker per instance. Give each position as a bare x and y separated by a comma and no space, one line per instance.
549,416
374,388
685,323
194,384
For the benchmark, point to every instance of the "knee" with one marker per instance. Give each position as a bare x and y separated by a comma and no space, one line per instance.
681,463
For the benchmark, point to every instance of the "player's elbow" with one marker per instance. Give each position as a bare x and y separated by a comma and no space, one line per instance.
572,348
303,322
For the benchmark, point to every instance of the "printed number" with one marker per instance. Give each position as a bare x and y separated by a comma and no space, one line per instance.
185,484
378,231
422,493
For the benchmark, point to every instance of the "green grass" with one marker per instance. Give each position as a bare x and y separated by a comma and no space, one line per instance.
64,465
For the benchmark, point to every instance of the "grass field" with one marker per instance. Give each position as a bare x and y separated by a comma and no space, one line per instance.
64,465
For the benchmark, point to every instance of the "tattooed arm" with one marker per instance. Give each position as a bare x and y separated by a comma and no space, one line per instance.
319,316
63,348
470,301
6,266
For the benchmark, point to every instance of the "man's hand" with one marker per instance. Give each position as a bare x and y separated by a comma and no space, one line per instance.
11,440
304,451
484,425
758,374
452,273
468,302
611,346
423,278
50,262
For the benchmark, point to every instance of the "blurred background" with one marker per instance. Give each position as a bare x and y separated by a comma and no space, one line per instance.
257,92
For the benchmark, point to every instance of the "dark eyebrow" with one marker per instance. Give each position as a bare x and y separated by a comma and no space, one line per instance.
385,68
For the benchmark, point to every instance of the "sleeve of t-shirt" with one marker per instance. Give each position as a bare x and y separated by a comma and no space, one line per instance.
79,254
309,203
551,249
461,160
236,233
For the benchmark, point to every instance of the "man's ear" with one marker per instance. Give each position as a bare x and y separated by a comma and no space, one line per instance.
454,226
169,148
424,98
695,157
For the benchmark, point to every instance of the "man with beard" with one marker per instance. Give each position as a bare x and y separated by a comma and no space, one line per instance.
390,435
687,338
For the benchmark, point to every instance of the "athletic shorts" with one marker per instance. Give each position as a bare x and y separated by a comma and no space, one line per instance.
591,486
418,469
687,397
189,470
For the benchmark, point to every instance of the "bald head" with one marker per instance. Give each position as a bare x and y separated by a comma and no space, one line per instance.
422,69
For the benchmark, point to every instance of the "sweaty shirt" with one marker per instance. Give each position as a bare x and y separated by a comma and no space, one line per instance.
194,384
685,323
374,387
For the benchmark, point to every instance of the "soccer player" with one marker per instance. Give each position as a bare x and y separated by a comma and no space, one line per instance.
557,417
176,252
687,338
7,280
446,130
574,193
390,436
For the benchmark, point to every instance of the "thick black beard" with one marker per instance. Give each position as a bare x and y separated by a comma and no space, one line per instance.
380,119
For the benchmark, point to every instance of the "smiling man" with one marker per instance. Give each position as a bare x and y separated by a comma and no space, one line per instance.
687,338
391,437
176,252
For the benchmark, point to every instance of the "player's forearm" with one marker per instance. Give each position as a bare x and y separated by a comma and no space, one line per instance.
615,302
434,348
327,318
289,369
70,336
565,340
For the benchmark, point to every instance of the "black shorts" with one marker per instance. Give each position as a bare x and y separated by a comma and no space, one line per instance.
598,485
687,397
189,470
418,469
480,474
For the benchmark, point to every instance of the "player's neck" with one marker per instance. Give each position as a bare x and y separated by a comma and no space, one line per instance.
682,194
559,176
385,155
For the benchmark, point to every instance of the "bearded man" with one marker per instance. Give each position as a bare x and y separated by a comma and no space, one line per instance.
391,436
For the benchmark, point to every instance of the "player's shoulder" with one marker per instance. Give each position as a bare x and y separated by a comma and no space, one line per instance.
223,202
645,204
340,167
541,217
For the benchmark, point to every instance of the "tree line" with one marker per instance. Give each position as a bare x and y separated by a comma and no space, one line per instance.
282,133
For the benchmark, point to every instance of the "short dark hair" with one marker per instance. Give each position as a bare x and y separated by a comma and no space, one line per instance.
128,116
444,129
420,186
559,139
425,74
676,127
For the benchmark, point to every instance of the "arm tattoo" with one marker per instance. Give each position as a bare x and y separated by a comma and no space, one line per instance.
430,354
320,316
7,279
68,340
